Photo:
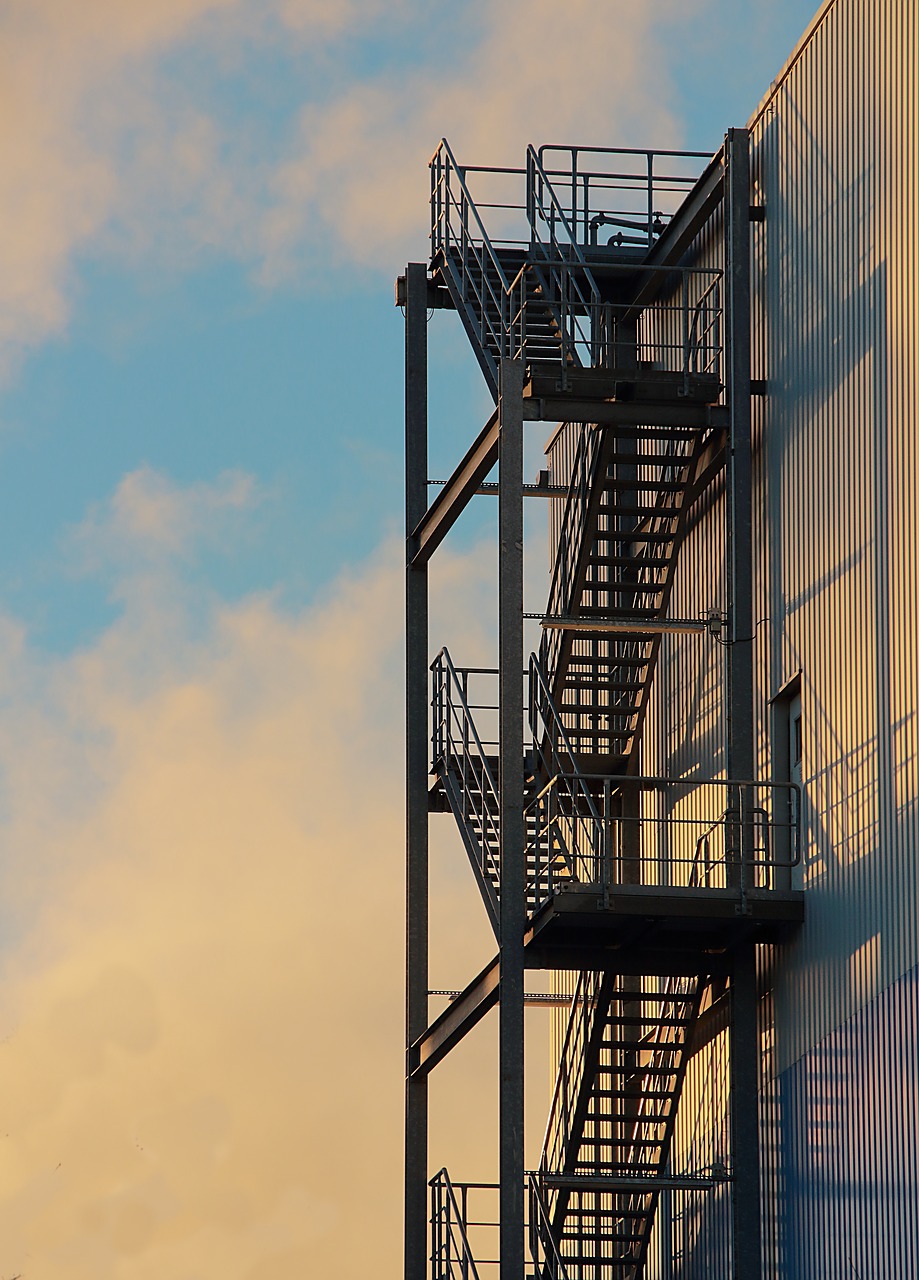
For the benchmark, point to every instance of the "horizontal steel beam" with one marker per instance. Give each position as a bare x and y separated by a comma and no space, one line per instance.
469,1008
615,1182
636,413
490,489
541,999
452,500
634,960
628,626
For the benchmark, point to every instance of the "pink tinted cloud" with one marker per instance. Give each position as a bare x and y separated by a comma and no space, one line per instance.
201,999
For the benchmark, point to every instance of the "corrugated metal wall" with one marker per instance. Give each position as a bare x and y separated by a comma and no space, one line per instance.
836,337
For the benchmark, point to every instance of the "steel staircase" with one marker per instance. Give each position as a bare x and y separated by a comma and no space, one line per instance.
468,776
586,323
534,299
626,511
612,1119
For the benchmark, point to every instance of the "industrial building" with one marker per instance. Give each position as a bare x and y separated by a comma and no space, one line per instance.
701,813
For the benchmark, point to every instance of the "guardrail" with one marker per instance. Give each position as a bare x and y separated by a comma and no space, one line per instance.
451,1250
458,750
518,288
711,833
570,1076
544,1251
574,527
465,1230
458,232
633,192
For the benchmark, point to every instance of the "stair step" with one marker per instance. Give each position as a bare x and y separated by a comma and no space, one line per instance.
608,1237
643,1045
624,1116
623,1095
636,536
627,1167
627,1020
629,562
632,1072
644,459
622,485
639,511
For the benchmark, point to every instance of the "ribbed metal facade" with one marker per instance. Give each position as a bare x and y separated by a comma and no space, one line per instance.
836,343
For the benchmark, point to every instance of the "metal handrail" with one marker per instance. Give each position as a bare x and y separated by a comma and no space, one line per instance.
556,260
466,749
493,302
470,203
579,1028
572,530
559,259
571,818
543,708
544,1251
596,848
447,1231
654,186
535,170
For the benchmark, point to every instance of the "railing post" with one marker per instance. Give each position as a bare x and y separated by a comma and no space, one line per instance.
607,837
650,198
416,768
513,835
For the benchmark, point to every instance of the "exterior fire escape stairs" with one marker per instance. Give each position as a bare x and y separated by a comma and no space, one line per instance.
612,1120
630,339
630,490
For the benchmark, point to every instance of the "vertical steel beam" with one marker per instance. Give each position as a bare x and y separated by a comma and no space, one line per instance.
740,463
416,770
741,724
745,1052
513,879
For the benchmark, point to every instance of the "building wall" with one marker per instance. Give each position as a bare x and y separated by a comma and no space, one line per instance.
836,337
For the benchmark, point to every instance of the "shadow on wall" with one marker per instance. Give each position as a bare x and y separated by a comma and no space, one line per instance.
849,1119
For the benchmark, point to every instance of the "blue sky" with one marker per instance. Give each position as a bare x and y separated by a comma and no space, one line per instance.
204,205
195,354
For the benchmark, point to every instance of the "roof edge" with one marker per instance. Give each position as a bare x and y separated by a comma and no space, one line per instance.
810,31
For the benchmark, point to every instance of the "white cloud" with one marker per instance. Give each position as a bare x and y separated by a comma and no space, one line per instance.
358,180
200,988
149,517
110,145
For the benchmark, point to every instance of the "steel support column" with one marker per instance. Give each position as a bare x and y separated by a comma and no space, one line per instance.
513,914
741,724
416,771
745,1052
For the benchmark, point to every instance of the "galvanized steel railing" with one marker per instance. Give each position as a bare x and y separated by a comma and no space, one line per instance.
459,234
465,1226
569,1080
711,833
451,1253
634,192
572,292
573,530
544,1250
460,753
516,292
562,844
